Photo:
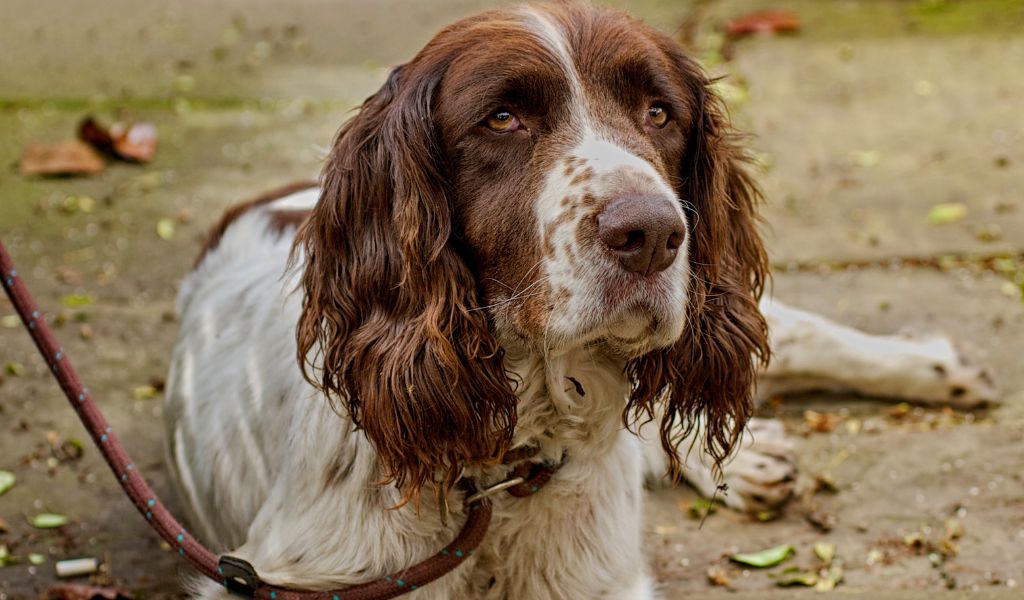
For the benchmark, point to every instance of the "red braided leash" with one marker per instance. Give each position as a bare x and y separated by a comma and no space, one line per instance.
235,574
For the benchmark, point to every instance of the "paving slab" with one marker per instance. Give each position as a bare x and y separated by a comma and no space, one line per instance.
874,114
246,94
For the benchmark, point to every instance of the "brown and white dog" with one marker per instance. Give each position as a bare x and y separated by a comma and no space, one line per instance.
538,234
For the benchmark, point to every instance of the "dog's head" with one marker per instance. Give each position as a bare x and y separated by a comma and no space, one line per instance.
549,177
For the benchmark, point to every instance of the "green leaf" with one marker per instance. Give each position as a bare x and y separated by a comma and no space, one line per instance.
36,559
947,212
77,300
145,392
49,521
14,369
797,579
7,480
829,580
701,508
825,551
165,229
764,558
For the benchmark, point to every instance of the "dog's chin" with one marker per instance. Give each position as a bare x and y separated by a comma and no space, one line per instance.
631,332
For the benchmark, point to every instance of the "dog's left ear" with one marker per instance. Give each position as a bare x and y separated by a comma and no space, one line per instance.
707,378
388,328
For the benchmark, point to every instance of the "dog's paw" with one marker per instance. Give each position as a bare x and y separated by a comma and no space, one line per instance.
762,476
946,375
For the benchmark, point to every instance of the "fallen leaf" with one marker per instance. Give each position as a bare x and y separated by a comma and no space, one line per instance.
825,551
797,579
165,229
988,233
830,579
866,158
947,212
7,481
767,21
5,557
96,135
664,529
14,369
954,529
145,392
36,559
77,591
875,556
68,157
49,521
700,508
821,422
10,321
822,521
765,558
134,142
3,526
77,300
717,576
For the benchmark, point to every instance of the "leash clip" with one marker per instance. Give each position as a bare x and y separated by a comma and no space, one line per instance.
239,576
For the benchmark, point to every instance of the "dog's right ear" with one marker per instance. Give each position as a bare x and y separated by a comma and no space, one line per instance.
387,330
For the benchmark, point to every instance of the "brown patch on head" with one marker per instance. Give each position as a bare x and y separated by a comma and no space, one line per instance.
236,211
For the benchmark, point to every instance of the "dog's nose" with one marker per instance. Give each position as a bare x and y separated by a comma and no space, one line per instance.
644,233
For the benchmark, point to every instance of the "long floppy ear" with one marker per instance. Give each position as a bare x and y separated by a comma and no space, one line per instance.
387,330
710,372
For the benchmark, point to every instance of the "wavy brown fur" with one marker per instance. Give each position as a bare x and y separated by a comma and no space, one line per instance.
386,329
711,370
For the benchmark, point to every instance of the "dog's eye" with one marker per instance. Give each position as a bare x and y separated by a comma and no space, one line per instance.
502,121
657,116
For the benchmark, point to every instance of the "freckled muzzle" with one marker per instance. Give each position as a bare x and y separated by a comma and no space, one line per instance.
644,233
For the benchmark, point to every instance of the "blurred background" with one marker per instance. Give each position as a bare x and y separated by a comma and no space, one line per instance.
889,137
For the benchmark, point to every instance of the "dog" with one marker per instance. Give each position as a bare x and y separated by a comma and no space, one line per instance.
536,244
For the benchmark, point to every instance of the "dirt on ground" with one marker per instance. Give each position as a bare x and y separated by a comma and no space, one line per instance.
864,121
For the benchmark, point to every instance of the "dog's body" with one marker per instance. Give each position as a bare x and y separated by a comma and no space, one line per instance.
267,472
503,254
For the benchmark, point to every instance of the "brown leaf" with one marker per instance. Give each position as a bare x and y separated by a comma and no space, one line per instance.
767,21
68,157
77,591
821,422
96,135
717,576
134,142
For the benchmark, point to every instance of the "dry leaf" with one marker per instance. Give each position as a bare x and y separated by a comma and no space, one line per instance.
68,157
767,21
825,551
947,212
132,142
76,591
820,422
717,576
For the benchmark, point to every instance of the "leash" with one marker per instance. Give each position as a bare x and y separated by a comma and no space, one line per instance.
236,574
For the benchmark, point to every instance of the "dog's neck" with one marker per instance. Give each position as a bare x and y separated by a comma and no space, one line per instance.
570,404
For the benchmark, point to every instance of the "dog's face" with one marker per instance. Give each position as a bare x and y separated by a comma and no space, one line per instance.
565,133
550,177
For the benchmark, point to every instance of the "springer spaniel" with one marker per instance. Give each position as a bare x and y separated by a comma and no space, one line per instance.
537,235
